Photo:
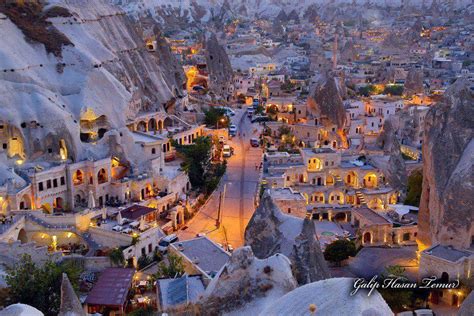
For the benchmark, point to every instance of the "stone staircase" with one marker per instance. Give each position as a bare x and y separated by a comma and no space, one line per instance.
361,198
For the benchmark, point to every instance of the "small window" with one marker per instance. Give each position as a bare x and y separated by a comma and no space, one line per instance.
143,251
63,182
289,210
55,183
40,186
48,184
153,151
4,146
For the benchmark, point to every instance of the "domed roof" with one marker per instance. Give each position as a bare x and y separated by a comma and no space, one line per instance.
21,310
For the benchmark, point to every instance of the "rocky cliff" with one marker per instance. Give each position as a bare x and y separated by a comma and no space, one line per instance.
392,163
246,282
218,66
326,101
447,198
270,231
413,82
96,78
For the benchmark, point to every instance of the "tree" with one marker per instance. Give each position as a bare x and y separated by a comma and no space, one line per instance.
174,268
339,250
397,299
116,257
395,270
394,89
196,160
40,286
414,185
216,117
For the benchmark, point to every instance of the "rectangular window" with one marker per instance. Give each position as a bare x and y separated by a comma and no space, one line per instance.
55,183
150,248
40,186
63,182
143,251
48,184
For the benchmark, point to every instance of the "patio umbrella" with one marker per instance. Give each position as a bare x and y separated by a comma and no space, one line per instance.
142,227
119,218
91,201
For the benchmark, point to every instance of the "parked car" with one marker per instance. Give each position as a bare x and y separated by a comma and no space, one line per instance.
254,142
117,228
250,112
232,130
260,118
226,151
164,243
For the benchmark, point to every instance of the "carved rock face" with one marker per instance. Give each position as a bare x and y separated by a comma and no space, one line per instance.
270,231
219,67
326,100
446,207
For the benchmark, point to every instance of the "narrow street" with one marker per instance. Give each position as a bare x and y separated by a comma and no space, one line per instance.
240,183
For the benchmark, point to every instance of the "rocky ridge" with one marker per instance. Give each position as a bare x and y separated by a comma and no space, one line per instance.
270,232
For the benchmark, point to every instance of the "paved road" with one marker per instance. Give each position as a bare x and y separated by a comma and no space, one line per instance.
241,181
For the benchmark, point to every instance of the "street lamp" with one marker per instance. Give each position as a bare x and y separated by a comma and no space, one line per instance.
222,120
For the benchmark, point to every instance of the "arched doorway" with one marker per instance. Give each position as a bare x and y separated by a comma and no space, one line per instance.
25,203
78,177
393,198
58,203
330,180
352,179
367,239
152,125
142,126
376,204
370,180
22,236
102,176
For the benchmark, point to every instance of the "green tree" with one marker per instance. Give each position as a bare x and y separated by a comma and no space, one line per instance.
40,286
116,257
339,250
397,299
414,186
396,89
367,90
174,267
216,118
197,160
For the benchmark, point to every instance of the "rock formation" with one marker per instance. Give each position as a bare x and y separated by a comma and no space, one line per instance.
447,199
219,67
270,231
394,167
413,82
467,305
326,101
330,297
70,304
245,279
106,69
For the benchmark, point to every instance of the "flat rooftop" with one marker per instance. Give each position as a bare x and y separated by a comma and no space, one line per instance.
207,255
448,253
372,216
112,287
286,194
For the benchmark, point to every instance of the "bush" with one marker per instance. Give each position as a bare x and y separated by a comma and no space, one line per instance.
339,250
143,261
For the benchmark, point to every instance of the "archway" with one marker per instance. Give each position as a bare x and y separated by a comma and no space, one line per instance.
22,236
370,180
336,197
46,207
58,203
78,177
318,197
367,238
352,179
329,180
340,217
152,126
141,126
25,203
376,204
102,176
160,125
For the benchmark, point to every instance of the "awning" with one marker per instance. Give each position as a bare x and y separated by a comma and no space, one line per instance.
402,209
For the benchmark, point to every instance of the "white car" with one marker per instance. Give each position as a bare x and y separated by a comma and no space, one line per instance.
232,129
117,228
166,241
226,151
